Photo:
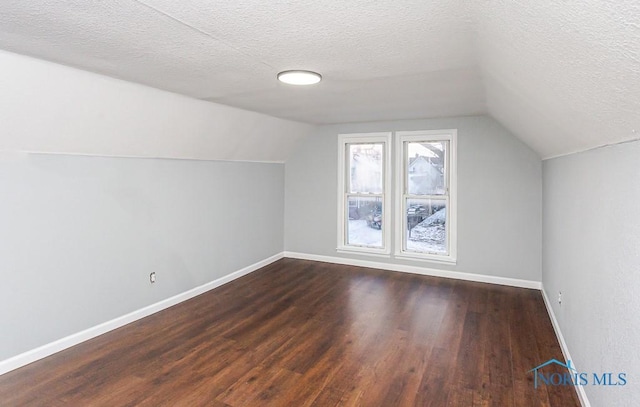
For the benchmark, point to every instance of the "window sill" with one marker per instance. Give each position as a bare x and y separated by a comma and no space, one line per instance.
363,252
429,258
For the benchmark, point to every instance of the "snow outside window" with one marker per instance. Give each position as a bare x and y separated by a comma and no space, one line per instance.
426,197
364,201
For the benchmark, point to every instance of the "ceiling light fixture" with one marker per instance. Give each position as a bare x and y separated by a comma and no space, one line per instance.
299,77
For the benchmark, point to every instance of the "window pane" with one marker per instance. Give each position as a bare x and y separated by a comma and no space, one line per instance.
426,167
426,226
365,221
365,163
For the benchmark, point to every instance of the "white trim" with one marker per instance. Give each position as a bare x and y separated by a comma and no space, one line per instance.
582,395
450,135
425,258
146,157
354,138
458,275
354,250
551,157
41,352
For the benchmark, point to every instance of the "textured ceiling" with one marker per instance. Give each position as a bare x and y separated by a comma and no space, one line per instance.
563,76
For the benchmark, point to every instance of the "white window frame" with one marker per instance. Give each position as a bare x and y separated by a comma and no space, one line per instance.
343,172
450,135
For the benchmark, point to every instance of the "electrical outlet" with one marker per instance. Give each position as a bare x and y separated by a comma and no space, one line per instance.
152,277
560,297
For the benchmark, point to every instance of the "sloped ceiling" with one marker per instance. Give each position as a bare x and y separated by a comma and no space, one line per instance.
564,76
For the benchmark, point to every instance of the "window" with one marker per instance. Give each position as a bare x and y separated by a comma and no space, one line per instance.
424,221
426,195
363,187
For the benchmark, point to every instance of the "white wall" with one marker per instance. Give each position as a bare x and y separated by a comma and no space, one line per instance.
499,197
591,252
45,107
80,235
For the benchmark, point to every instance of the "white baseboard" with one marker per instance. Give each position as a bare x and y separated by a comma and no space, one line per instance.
41,352
481,278
582,395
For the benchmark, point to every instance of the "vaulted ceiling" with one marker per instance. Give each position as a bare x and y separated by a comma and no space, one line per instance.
564,76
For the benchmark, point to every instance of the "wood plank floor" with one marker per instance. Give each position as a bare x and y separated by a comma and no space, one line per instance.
302,333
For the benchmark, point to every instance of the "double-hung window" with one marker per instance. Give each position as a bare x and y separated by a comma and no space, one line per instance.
426,195
363,186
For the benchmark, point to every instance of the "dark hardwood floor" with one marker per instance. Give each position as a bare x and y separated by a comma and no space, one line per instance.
302,333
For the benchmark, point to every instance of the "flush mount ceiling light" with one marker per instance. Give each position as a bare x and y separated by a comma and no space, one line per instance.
299,77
